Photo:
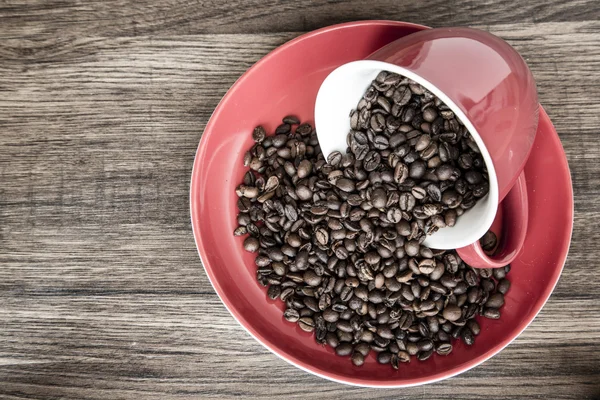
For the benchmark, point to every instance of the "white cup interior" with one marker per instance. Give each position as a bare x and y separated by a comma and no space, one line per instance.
341,91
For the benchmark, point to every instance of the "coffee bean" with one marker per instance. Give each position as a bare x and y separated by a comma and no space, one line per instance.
343,349
240,230
498,273
496,300
335,158
371,161
443,349
345,185
401,173
402,95
485,273
430,114
375,296
322,236
379,198
259,134
332,340
424,355
422,142
274,291
452,312
412,248
357,358
251,244
473,177
341,252
406,202
503,286
412,348
417,169
385,332
384,357
311,278
291,120
488,241
304,169
467,337
291,315
330,316
303,192
491,313
473,327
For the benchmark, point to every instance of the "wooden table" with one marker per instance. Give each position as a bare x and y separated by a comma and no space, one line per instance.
102,105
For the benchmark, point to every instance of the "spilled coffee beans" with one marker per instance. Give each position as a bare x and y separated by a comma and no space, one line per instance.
339,241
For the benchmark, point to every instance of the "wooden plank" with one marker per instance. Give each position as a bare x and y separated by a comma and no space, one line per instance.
59,18
130,345
102,294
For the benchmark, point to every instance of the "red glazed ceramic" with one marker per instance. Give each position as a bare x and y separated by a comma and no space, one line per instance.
286,82
487,85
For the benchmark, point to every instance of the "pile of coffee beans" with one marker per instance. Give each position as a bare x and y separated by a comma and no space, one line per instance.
339,241
406,136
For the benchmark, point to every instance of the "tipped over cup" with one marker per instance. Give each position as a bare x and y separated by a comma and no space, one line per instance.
489,87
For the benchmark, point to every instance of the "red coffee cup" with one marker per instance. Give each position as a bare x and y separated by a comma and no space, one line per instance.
489,87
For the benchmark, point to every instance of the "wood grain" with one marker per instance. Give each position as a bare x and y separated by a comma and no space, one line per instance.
102,105
42,18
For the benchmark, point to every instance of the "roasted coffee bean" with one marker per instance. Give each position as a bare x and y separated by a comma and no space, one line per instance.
491,313
412,248
379,198
417,169
274,291
424,355
385,332
375,296
485,273
452,312
467,336
498,273
345,185
384,357
357,358
401,173
481,189
496,300
291,315
343,349
303,192
371,161
291,120
443,349
503,286
473,327
251,244
422,142
259,134
332,340
471,278
427,266
488,241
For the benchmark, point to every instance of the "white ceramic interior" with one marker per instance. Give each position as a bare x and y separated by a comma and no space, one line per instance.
341,91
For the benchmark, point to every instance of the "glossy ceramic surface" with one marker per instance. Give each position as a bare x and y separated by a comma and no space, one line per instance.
487,79
286,81
487,85
511,227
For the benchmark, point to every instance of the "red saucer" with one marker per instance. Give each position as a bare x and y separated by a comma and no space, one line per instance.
286,82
